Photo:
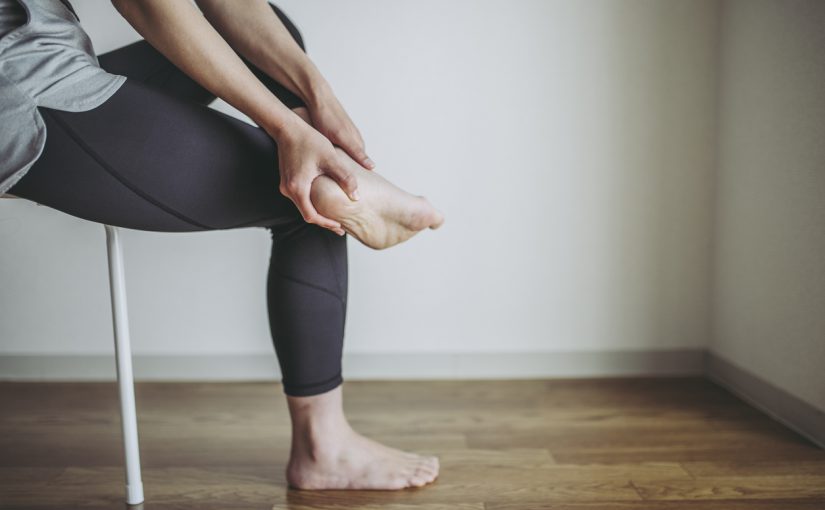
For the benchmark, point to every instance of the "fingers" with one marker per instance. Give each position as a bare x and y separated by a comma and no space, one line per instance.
312,216
357,152
362,158
299,194
354,146
345,178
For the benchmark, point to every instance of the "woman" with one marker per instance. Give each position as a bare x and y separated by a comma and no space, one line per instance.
131,143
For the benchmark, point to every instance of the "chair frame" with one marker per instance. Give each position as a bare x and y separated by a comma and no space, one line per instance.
123,360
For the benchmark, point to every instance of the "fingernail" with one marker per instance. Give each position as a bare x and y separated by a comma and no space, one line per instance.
355,195
369,162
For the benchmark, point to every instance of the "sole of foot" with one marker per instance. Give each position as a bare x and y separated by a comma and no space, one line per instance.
385,215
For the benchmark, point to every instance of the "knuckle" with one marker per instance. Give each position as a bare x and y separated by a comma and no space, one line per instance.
348,178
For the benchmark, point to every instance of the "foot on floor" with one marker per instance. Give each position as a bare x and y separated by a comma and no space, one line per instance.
340,458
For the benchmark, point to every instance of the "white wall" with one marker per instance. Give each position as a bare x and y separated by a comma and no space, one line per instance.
570,144
769,312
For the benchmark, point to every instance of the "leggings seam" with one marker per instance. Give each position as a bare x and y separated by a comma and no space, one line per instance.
105,166
311,285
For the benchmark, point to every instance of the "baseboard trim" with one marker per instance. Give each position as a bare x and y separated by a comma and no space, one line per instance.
781,405
363,366
788,409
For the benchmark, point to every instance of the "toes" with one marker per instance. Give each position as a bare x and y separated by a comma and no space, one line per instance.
423,476
429,462
416,474
414,480
428,472
418,482
438,221
434,466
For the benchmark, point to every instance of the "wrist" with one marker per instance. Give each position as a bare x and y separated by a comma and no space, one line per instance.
282,125
298,74
317,92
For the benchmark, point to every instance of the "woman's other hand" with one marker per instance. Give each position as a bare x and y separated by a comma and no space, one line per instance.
303,155
331,120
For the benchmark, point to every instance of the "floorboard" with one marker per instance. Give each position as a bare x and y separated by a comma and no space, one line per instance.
583,444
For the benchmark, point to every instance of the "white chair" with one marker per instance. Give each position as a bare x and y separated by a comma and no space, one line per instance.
123,358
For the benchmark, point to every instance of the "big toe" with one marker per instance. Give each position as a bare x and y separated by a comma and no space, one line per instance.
427,215
438,220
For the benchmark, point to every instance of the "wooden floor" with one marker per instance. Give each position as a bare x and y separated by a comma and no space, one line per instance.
605,444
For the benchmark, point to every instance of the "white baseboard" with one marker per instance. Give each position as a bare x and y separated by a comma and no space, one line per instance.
795,413
362,366
778,403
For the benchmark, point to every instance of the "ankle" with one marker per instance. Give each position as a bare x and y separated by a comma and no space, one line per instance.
318,422
319,441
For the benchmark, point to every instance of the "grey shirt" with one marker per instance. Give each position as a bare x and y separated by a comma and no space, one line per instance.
46,59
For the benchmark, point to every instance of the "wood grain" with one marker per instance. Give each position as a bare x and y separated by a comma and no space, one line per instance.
585,444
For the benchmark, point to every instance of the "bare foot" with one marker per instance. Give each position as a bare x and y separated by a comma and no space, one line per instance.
345,459
328,454
384,216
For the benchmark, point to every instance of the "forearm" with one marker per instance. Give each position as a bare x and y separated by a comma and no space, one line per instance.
253,29
186,38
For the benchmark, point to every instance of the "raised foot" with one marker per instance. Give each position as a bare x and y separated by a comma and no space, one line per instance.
384,216
352,461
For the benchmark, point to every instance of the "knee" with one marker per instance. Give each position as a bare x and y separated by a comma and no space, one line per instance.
290,26
310,244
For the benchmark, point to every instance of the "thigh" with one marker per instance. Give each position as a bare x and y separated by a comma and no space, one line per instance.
140,61
148,160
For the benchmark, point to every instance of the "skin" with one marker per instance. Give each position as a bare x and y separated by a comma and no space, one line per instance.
384,216
179,31
325,171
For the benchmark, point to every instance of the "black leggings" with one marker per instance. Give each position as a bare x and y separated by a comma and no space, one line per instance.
154,157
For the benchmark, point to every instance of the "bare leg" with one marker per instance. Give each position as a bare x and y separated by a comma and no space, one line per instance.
328,454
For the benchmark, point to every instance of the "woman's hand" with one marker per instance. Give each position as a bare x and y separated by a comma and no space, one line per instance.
331,120
185,37
303,155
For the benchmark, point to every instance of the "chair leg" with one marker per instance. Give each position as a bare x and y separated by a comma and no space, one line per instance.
123,355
